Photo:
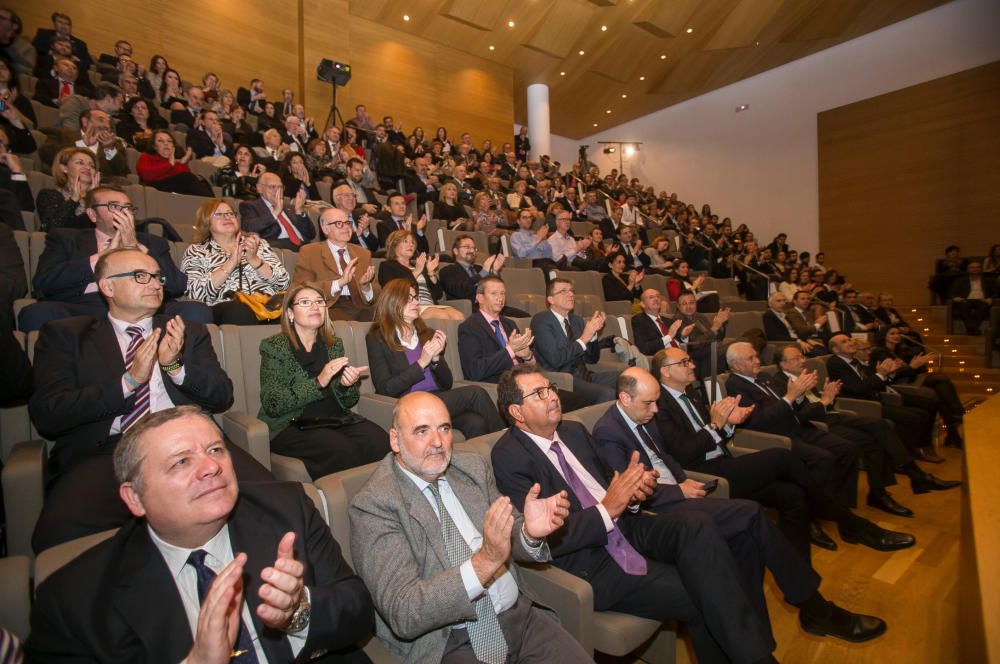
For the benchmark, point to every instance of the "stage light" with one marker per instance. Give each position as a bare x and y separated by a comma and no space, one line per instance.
610,150
629,150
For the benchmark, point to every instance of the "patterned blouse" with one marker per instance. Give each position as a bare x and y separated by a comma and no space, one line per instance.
201,259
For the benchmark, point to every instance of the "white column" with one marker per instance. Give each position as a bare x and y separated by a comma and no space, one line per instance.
538,120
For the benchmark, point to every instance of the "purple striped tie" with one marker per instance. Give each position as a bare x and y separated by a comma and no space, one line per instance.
141,406
630,560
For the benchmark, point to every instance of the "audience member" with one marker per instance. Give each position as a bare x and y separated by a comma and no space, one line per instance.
253,99
295,176
779,328
460,279
526,243
207,140
619,286
162,169
94,134
75,172
62,26
15,193
17,113
362,233
285,226
703,332
138,123
59,84
567,251
104,97
395,218
972,295
420,272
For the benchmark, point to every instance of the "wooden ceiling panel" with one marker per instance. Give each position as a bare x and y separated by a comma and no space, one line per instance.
743,25
665,19
622,58
559,29
827,21
475,13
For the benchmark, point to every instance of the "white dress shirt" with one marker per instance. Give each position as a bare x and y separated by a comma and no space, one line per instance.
666,477
367,291
563,321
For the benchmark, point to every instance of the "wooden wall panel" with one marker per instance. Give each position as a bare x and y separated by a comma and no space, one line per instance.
905,174
414,79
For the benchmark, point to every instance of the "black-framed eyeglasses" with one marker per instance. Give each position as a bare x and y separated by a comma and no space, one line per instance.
117,207
337,224
686,362
542,392
140,276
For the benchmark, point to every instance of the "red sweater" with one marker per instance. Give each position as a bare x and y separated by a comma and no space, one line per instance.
153,168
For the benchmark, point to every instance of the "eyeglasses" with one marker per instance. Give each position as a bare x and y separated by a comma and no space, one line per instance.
140,276
118,207
571,291
542,392
224,215
319,302
467,246
412,298
686,362
337,224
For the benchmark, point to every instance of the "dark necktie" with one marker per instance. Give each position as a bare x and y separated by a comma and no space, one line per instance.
485,635
244,644
623,553
655,450
579,365
499,333
762,384
141,393
689,404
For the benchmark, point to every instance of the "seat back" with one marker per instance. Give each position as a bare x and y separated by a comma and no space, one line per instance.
818,364
50,560
451,356
339,489
446,238
720,388
178,209
241,361
588,416
741,321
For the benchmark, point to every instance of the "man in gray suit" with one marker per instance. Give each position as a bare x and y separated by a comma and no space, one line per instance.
433,540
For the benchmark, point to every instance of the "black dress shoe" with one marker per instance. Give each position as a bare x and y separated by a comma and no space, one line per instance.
842,624
821,539
877,538
929,483
887,503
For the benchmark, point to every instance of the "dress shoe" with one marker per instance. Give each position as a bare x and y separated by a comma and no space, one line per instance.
877,538
927,454
821,539
843,624
886,503
929,483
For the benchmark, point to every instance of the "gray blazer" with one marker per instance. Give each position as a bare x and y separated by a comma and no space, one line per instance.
399,552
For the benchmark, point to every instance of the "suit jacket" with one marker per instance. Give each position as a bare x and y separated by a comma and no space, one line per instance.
845,320
78,377
316,265
399,550
394,375
64,271
243,99
865,386
457,282
43,44
771,415
812,410
553,350
47,91
616,443
774,329
183,116
679,438
257,218
804,325
702,334
13,283
392,269
616,291
118,602
961,286
66,137
387,225
203,146
648,337
483,358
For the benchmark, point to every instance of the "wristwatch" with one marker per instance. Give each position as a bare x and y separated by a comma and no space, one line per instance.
300,619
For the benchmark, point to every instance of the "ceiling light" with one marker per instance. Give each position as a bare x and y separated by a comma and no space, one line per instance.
756,43
608,111
406,17
510,24
492,47
742,107
604,28
663,57
581,52
595,124
690,30
624,96
562,73
642,78
629,150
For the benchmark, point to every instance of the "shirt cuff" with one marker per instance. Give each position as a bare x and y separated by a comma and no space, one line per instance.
473,588
368,292
666,340
18,177
582,345
713,433
297,641
178,378
609,523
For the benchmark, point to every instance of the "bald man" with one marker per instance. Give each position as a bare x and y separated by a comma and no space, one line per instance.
286,226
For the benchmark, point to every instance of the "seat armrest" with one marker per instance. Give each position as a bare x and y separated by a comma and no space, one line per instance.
862,407
23,481
759,440
249,433
890,399
377,408
569,596
15,588
741,451
722,491
822,426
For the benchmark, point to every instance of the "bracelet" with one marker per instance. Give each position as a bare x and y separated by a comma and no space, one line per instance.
132,382
173,366
529,540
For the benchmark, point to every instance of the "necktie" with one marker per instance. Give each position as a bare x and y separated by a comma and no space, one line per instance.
65,90
664,331
293,235
579,364
630,560
689,405
654,452
487,639
499,333
344,290
244,644
141,393
762,384
858,369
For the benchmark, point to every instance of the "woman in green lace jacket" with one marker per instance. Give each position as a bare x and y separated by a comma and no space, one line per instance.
307,389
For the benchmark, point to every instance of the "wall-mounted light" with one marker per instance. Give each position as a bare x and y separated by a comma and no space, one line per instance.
742,107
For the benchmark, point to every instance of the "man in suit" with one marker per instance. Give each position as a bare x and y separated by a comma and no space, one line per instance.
802,318
60,84
15,193
914,419
364,196
703,333
778,327
633,560
295,135
888,315
285,226
393,217
207,138
64,280
96,135
188,116
342,271
652,331
972,295
628,428
488,342
882,459
362,233
104,97
63,25
631,248
96,376
205,569
863,318
563,342
459,279
435,542
253,99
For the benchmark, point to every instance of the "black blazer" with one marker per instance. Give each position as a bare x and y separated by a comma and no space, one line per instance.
203,146
866,386
43,44
809,410
118,601
78,376
615,443
483,358
387,224
648,337
553,350
47,90
394,375
771,415
679,437
243,99
184,116
961,286
64,271
257,218
457,282
774,329
616,291
13,282
393,269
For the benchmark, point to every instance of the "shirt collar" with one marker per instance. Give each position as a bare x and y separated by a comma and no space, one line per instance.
676,394
421,483
176,557
745,377
543,443
634,426
120,325
490,318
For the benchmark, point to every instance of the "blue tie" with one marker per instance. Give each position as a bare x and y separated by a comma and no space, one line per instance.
496,331
244,644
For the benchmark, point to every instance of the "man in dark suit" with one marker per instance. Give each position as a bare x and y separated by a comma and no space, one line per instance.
703,333
364,196
285,226
61,82
778,327
15,193
64,279
914,419
207,569
253,99
459,279
863,318
189,115
488,342
420,506
96,135
972,295
63,25
802,318
361,224
96,376
627,428
393,217
207,138
563,342
418,180
652,331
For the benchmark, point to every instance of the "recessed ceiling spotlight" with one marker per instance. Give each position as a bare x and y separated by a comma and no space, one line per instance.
690,30
406,17
510,24
492,47
756,43
663,57
642,78
608,111
742,107
604,28
595,124
624,96
562,73
581,52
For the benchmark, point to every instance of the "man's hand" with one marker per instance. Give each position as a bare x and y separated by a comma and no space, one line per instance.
283,587
299,202
495,551
739,414
686,332
627,487
172,343
348,274
806,381
520,343
542,233
145,357
821,320
543,516
692,489
12,162
674,328
125,225
721,318
830,391
219,617
720,411
368,276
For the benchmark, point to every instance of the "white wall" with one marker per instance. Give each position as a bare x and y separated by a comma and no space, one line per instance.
760,166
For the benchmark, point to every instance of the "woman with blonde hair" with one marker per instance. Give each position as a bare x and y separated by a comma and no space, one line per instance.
223,260
75,171
405,355
449,208
308,387
420,272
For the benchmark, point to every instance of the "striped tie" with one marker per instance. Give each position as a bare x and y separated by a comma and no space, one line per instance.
141,406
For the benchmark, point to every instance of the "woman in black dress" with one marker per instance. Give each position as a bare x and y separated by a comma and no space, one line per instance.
619,285
420,272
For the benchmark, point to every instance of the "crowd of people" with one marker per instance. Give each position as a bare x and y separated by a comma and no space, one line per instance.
124,373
